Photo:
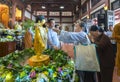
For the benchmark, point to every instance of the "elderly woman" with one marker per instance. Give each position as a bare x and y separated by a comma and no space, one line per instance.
79,36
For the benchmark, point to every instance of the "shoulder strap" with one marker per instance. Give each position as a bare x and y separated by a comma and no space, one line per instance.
88,39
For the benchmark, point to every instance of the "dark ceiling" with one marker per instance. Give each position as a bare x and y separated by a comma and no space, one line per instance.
52,5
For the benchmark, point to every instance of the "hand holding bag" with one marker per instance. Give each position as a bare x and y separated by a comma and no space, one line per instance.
86,58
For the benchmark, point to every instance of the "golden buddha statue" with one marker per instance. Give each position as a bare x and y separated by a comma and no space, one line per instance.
40,40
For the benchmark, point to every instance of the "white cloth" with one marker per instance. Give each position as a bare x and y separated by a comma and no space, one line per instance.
43,32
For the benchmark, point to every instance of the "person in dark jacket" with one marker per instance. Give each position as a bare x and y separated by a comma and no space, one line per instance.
105,54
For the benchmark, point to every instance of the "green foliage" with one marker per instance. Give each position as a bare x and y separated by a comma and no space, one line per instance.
58,56
60,67
28,23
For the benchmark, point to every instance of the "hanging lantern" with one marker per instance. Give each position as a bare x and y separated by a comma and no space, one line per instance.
105,7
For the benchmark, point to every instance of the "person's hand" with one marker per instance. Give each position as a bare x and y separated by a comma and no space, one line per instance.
56,30
55,47
91,38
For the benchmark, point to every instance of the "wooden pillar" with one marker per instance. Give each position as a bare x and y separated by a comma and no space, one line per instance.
80,14
72,17
31,15
13,12
36,13
23,14
88,8
60,17
107,4
48,15
31,11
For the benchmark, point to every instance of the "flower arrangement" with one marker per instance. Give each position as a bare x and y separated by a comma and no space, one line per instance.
12,69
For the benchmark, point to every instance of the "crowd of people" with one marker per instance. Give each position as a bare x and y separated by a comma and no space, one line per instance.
105,47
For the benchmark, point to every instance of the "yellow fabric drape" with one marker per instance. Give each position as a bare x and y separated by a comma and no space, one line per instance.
116,36
4,14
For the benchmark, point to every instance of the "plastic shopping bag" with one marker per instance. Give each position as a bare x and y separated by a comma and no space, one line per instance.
86,58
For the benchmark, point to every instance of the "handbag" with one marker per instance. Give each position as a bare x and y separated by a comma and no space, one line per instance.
86,58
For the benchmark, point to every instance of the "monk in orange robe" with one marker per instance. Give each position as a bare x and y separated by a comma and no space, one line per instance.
116,36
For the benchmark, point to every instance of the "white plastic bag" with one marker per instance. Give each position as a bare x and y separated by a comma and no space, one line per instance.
86,58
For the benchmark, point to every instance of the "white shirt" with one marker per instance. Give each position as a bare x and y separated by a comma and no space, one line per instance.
53,39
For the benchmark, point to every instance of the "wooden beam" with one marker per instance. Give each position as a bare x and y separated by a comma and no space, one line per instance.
51,2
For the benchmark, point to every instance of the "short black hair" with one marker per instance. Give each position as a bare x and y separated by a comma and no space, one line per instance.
110,25
56,25
95,28
49,20
39,18
82,24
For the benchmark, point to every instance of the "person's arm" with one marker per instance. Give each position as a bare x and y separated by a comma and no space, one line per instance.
91,38
70,37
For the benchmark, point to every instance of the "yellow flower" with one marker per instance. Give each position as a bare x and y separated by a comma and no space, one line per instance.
55,74
45,72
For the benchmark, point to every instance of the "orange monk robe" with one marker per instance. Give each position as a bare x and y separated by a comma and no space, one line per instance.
116,36
28,40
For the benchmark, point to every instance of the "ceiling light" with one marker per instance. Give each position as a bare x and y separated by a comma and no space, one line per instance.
43,7
61,7
105,7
